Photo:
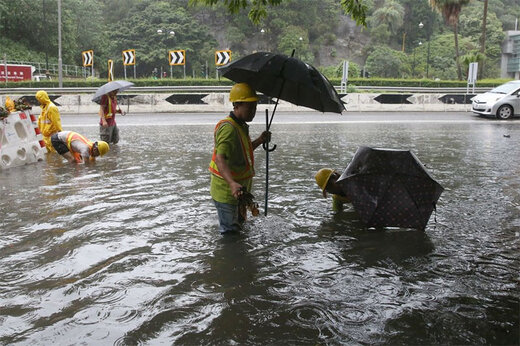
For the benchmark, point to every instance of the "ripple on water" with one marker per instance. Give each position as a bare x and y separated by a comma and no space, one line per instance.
103,313
107,294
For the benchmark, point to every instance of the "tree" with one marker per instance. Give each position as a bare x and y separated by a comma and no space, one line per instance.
450,10
391,14
483,37
386,62
470,26
357,9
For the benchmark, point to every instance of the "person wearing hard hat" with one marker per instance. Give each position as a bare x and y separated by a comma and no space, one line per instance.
76,148
232,163
49,121
108,130
326,179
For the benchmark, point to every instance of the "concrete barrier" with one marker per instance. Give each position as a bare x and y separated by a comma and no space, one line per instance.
21,142
218,102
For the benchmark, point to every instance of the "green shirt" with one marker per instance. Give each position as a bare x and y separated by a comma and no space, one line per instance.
338,201
227,143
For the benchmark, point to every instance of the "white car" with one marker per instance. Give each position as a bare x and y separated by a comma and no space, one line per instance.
502,101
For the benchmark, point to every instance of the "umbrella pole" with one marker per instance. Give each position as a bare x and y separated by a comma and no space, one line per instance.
279,94
266,145
266,163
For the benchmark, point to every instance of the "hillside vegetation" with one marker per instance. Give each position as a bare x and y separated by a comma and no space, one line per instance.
393,45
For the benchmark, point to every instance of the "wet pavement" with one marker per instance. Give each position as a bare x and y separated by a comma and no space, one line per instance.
127,250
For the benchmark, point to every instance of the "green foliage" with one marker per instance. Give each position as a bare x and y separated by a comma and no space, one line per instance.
385,62
470,24
139,31
257,8
357,10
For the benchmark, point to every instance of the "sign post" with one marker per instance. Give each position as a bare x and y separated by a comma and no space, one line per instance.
129,59
177,57
344,77
222,57
472,76
110,69
88,59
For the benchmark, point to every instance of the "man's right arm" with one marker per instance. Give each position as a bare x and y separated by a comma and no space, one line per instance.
225,172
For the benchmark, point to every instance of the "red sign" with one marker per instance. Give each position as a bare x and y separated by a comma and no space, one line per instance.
15,73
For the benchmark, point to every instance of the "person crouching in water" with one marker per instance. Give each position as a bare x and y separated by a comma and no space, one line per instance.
108,130
76,148
326,179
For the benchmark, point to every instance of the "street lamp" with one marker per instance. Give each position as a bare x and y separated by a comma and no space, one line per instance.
171,33
413,65
421,25
160,32
262,34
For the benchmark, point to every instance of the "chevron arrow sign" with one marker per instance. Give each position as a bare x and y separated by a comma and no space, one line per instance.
222,57
129,57
88,58
177,57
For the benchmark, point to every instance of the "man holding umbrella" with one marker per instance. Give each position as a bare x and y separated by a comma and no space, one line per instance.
107,97
108,130
232,163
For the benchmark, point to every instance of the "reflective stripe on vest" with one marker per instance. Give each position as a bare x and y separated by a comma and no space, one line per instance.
247,151
74,136
110,112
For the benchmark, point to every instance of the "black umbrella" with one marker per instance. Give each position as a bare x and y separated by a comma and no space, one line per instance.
285,78
390,188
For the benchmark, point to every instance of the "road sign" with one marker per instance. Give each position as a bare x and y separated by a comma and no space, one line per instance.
472,76
110,70
222,57
177,57
129,57
88,58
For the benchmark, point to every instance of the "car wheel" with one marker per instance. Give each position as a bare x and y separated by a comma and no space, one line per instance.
505,112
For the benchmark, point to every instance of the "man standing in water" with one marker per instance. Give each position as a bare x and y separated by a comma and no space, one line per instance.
49,121
232,164
108,130
326,179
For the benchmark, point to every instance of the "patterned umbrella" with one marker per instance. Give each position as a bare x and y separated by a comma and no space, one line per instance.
390,188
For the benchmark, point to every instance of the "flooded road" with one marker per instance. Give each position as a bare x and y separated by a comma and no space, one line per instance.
127,250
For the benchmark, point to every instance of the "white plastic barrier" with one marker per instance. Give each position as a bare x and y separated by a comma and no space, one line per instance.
21,142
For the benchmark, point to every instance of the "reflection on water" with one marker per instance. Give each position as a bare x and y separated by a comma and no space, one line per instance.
127,250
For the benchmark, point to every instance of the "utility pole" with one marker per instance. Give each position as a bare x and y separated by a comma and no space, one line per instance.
60,62
46,37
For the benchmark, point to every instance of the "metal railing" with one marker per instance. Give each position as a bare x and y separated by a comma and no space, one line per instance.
225,89
41,67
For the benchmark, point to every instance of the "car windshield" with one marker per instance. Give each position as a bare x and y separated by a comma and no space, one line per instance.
505,88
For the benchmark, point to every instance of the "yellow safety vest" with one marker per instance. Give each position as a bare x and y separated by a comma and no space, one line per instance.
74,136
247,150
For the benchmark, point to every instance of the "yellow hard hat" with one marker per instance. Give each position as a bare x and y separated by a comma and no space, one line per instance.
102,147
322,178
242,92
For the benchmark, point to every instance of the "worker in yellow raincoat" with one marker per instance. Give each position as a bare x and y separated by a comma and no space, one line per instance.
49,120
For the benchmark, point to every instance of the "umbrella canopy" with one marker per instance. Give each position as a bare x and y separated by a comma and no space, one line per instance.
390,188
286,78
120,85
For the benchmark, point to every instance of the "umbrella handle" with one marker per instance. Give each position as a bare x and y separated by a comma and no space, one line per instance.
266,147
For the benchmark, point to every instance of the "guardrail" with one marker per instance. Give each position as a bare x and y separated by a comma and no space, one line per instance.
184,89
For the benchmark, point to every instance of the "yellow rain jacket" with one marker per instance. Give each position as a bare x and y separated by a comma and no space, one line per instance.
49,120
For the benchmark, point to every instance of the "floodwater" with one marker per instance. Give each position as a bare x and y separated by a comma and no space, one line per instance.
127,251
